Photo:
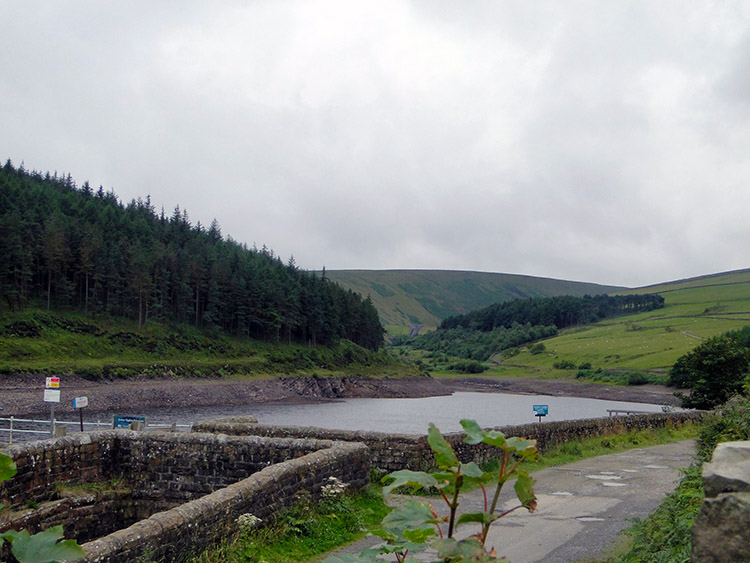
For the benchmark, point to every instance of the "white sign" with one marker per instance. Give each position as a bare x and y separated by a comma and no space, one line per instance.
80,402
51,395
52,383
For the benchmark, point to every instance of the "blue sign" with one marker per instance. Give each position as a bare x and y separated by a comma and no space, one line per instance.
541,410
120,421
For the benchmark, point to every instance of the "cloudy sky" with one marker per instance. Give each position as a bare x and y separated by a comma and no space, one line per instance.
603,141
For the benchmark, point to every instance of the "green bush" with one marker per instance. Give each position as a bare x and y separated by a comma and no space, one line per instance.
564,364
538,348
714,371
730,422
467,367
614,377
637,378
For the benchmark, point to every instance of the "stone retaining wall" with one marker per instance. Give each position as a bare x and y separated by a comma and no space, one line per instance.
85,516
203,481
391,452
220,477
83,458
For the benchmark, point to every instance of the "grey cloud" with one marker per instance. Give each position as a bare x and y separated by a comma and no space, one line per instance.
579,140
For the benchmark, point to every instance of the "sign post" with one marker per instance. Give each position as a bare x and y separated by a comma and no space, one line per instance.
52,396
540,411
80,403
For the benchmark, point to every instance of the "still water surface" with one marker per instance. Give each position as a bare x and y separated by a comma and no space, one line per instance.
401,415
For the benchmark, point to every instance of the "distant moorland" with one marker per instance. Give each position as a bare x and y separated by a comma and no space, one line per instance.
405,298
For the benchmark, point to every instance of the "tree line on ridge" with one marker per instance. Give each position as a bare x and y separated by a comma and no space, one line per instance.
561,311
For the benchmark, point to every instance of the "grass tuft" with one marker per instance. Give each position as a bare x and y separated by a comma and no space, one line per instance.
304,532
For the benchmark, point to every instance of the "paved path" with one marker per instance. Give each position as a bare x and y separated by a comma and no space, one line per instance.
582,506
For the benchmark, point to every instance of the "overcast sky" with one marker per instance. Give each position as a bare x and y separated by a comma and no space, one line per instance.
603,141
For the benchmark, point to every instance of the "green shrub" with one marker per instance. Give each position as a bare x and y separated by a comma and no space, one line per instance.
564,364
637,378
615,377
467,367
538,348
728,423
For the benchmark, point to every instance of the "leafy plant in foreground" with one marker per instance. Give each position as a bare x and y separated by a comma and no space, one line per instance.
44,547
417,524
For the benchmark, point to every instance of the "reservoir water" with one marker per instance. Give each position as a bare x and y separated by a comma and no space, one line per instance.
400,415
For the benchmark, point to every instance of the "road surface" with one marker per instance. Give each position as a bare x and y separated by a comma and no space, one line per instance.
582,506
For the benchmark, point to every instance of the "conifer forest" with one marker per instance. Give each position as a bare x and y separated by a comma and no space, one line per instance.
68,247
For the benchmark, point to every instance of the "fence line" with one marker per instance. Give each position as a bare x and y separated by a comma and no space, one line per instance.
98,424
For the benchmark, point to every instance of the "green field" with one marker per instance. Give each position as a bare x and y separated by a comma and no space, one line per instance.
694,311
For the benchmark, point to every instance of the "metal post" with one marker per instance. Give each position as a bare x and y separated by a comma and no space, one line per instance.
52,420
10,439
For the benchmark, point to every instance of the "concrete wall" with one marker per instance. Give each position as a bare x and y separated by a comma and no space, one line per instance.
391,452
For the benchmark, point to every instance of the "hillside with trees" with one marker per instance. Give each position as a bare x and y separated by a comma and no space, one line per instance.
562,312
64,247
407,298
641,347
480,334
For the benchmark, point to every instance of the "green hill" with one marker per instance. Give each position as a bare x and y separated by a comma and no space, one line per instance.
695,309
425,297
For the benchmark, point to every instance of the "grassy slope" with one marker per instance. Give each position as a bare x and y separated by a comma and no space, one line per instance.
425,297
694,310
38,342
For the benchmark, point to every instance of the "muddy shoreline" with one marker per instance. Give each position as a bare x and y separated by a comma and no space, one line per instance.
23,394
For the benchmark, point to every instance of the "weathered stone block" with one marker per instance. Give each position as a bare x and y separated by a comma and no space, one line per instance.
721,532
729,470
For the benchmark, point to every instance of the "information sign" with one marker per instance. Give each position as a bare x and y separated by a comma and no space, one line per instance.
121,421
540,411
51,395
80,402
52,383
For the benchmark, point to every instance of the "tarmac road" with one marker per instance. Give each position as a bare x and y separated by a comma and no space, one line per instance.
582,506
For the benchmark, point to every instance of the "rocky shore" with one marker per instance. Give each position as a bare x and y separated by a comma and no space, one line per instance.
23,394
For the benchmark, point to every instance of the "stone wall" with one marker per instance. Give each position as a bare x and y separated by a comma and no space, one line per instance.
201,482
190,527
721,531
71,460
84,515
220,477
391,452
